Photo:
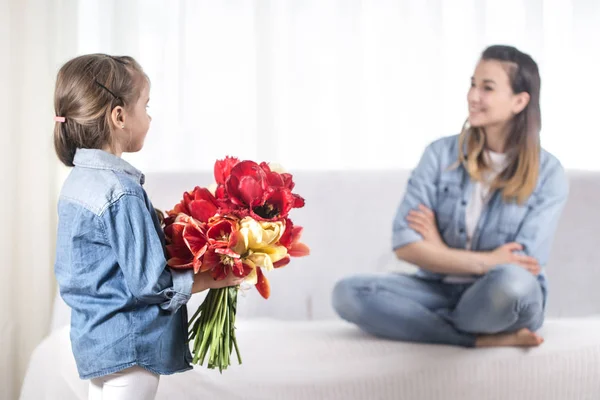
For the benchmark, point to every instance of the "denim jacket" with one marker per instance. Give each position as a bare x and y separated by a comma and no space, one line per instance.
126,305
446,191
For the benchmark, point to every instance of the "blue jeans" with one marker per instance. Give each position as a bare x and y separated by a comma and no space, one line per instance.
409,308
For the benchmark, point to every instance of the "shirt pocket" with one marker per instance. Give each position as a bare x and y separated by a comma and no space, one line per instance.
449,193
512,215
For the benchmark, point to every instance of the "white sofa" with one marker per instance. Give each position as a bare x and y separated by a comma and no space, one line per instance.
294,347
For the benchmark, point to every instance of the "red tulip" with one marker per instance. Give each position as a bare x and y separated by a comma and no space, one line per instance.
246,184
291,240
282,263
276,204
222,262
222,169
276,179
220,233
187,244
262,284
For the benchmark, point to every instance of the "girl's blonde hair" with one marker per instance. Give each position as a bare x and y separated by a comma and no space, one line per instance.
87,89
519,178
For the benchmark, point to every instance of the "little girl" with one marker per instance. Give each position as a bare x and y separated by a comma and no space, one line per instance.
128,325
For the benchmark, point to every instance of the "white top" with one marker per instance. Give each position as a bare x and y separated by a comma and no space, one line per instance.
480,195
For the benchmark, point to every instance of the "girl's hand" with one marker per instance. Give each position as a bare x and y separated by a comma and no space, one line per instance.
230,280
505,254
204,280
424,223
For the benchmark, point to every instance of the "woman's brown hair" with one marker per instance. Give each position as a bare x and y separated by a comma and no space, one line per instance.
519,178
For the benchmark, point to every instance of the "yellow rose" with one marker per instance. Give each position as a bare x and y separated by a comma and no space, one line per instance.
259,235
265,258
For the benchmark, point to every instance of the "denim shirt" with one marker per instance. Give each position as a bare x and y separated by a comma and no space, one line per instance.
126,305
446,191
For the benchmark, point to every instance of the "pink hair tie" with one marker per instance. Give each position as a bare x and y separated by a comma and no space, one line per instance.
60,119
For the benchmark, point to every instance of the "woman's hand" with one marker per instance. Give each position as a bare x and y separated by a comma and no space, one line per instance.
505,254
204,280
424,223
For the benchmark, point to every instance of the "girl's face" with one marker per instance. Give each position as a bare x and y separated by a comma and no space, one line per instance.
131,124
137,122
491,99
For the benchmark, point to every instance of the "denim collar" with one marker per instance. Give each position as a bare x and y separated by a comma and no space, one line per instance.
100,159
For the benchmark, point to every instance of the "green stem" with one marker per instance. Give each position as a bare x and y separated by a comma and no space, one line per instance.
203,327
234,293
213,329
218,326
210,324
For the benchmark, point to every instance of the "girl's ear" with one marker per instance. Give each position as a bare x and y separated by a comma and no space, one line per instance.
118,117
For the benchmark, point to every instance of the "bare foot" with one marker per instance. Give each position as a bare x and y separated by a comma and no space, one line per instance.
522,338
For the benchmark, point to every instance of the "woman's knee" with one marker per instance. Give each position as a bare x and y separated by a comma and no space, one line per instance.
511,286
346,299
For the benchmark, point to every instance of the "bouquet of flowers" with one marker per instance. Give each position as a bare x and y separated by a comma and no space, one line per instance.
241,228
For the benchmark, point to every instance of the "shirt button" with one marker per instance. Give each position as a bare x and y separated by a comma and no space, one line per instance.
461,231
464,203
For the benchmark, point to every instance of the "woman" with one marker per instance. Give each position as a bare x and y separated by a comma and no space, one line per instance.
479,228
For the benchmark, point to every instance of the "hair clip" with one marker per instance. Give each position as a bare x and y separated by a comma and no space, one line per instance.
117,59
107,89
59,119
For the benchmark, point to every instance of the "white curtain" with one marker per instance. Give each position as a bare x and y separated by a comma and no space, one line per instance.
312,84
33,35
336,84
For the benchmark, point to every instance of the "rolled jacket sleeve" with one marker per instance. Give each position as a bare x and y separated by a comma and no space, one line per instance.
421,189
132,234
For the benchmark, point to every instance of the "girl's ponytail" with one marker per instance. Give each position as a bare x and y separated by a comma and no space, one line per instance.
65,148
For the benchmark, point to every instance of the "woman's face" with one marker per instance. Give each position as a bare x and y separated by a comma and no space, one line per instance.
491,99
